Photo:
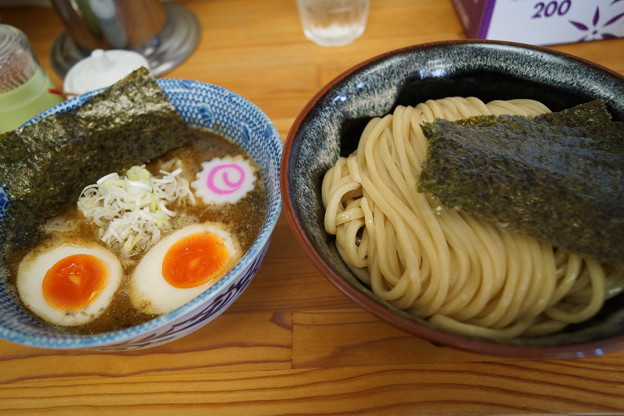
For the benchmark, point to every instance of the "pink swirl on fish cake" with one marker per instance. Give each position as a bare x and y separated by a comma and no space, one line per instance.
224,180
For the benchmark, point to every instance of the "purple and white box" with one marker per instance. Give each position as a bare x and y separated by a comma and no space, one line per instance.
542,22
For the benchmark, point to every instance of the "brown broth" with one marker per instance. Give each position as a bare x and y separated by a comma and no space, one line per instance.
244,219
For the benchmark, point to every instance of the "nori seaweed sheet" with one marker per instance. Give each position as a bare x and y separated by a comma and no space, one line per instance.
558,177
45,165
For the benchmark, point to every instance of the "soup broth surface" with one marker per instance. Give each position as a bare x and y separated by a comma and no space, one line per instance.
243,219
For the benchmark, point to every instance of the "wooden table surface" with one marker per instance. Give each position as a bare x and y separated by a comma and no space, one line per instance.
292,343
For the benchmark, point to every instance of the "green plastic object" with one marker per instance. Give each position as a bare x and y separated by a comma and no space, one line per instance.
29,99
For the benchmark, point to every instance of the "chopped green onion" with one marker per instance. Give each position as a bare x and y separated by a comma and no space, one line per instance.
132,210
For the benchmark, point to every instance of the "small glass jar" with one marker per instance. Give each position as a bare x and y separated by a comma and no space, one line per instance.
24,86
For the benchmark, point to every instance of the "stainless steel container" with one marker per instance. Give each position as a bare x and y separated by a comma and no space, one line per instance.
165,33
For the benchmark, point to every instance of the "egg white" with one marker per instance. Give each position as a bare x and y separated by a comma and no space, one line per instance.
149,290
33,268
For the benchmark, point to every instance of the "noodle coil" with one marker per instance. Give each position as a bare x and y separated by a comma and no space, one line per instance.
463,274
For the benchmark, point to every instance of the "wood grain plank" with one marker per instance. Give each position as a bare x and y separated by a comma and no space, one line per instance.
507,388
349,337
293,344
235,341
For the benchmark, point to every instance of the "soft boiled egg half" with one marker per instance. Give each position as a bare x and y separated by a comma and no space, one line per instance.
70,284
181,266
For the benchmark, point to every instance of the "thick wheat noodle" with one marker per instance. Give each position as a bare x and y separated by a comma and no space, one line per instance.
463,274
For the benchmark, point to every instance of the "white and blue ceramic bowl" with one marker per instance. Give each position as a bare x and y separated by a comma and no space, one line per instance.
331,123
201,105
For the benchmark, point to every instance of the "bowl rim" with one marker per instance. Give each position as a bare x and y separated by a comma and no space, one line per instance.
579,350
111,339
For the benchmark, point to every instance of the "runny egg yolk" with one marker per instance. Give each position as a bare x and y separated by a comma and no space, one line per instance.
68,284
195,260
181,266
74,282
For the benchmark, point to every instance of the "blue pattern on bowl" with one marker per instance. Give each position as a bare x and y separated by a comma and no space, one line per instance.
202,105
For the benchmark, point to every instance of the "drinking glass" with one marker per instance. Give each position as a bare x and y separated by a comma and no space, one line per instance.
333,22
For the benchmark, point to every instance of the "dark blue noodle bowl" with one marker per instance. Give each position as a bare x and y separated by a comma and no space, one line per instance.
330,125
